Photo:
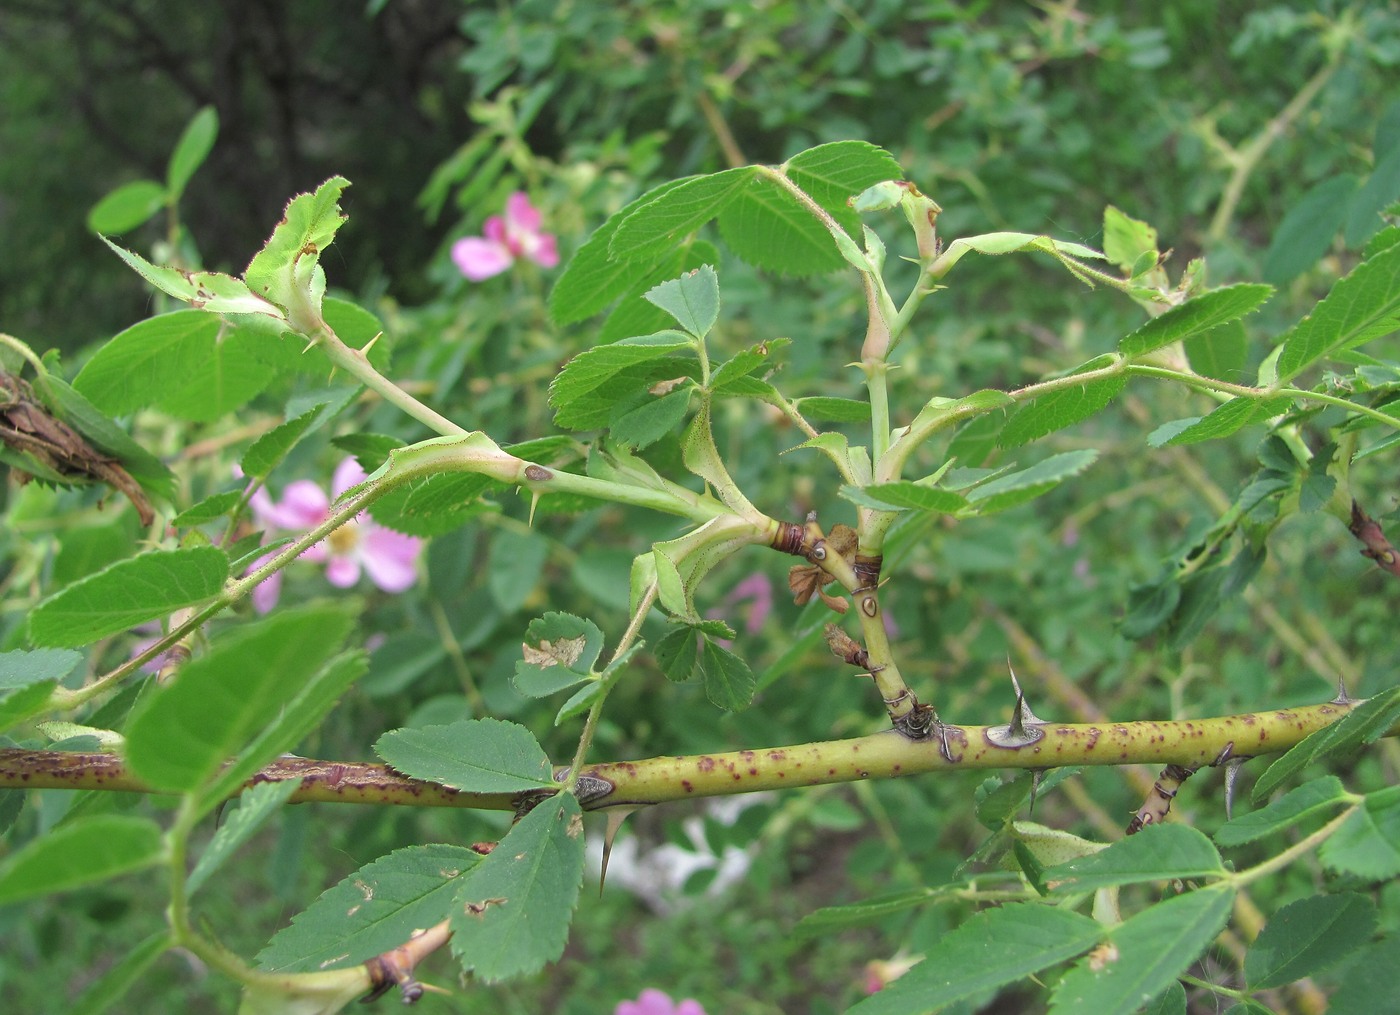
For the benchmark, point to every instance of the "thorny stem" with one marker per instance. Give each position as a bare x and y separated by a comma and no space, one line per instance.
357,364
887,754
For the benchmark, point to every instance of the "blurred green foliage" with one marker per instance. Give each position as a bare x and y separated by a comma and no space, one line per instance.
1027,117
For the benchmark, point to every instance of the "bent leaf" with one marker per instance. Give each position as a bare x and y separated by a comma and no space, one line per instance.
225,697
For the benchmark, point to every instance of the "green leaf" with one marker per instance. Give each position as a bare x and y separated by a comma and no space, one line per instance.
1381,189
377,908
515,566
1364,724
652,229
559,651
1126,239
592,370
1016,488
435,504
729,682
191,150
130,592
997,244
112,985
1149,951
728,376
692,299
80,852
1362,306
159,357
768,227
1369,985
678,653
20,668
285,272
1059,409
593,278
210,509
254,808
268,451
831,919
1222,421
831,174
1157,853
21,705
511,912
127,207
989,950
1308,229
1308,937
1171,1001
475,755
1283,814
203,290
1367,844
834,410
632,314
187,731
646,424
682,563
1209,310
904,495
292,724
1220,352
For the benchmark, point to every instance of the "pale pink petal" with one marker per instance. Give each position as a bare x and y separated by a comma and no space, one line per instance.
343,572
496,229
521,213
544,251
479,259
347,474
389,557
304,505
267,592
689,1007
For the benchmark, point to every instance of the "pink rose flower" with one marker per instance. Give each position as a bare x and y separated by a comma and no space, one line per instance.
389,558
655,1002
505,239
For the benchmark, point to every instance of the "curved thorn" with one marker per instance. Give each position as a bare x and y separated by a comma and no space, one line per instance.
1232,772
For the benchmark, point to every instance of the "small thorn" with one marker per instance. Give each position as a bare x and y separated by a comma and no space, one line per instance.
616,816
1036,776
1024,714
364,349
1232,772
1342,698
534,501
